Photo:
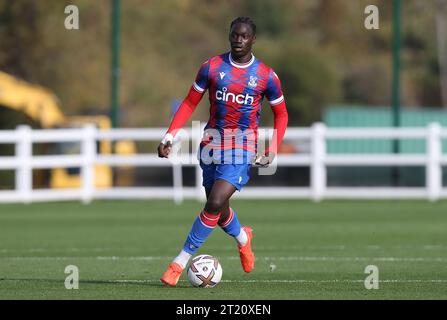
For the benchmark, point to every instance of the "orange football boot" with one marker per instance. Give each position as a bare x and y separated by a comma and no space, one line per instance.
172,275
247,256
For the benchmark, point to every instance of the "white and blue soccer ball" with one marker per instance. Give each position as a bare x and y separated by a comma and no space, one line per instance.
204,271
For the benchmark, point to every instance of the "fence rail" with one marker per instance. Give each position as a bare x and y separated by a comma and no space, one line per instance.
318,159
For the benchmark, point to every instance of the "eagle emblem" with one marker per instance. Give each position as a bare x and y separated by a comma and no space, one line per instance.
253,82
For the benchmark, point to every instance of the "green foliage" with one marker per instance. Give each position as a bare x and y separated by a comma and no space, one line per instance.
320,49
309,82
269,17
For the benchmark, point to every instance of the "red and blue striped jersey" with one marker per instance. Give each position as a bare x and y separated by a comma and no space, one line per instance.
236,93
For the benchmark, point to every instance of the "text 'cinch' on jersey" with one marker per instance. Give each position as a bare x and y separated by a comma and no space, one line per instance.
223,95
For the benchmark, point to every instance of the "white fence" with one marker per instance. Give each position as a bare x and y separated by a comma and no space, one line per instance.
317,159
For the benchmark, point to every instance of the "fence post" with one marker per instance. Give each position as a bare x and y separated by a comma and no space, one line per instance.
24,171
88,152
434,168
177,174
196,136
178,182
318,166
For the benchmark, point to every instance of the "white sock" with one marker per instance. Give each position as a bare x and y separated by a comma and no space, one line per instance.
242,238
183,258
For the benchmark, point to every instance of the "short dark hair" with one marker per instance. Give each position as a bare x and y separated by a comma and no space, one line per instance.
245,20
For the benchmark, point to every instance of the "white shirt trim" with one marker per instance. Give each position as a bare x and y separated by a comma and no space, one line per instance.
277,101
238,65
198,88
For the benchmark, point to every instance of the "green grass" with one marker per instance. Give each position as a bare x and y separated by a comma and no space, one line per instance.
320,250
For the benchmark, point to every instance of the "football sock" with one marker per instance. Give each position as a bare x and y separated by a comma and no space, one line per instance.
242,238
232,227
202,227
183,258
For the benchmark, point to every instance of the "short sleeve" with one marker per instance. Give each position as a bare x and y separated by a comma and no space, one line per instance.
273,91
201,82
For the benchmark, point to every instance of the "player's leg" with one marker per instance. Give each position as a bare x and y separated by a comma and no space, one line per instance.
225,211
238,175
229,223
208,219
175,269
204,224
242,235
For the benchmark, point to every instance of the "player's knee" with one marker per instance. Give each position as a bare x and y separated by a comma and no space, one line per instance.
214,205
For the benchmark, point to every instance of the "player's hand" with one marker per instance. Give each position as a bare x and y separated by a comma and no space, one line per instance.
164,149
264,160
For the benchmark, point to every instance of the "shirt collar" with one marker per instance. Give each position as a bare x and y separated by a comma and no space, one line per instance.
241,65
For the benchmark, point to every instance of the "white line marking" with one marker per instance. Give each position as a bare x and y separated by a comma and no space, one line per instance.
298,281
280,258
437,281
231,248
4,250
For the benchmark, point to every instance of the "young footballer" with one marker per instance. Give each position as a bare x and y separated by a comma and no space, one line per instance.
237,83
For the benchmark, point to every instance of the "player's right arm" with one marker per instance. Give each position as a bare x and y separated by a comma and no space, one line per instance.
185,110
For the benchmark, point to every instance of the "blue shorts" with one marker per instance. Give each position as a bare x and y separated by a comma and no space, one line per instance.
231,165
236,174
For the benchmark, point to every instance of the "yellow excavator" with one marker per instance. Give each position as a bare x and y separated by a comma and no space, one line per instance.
42,106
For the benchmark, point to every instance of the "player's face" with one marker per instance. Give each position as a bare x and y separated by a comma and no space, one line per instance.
241,40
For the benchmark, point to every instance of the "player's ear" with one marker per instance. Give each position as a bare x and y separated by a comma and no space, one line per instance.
254,39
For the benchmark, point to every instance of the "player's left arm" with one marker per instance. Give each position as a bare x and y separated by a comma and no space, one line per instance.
277,103
280,120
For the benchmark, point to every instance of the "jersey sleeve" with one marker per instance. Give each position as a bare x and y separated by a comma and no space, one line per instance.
273,91
201,82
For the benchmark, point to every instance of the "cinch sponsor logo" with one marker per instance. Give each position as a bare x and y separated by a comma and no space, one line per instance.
229,96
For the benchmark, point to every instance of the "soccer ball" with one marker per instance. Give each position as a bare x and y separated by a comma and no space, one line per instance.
204,271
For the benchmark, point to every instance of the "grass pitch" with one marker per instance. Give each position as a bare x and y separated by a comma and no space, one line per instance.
304,250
